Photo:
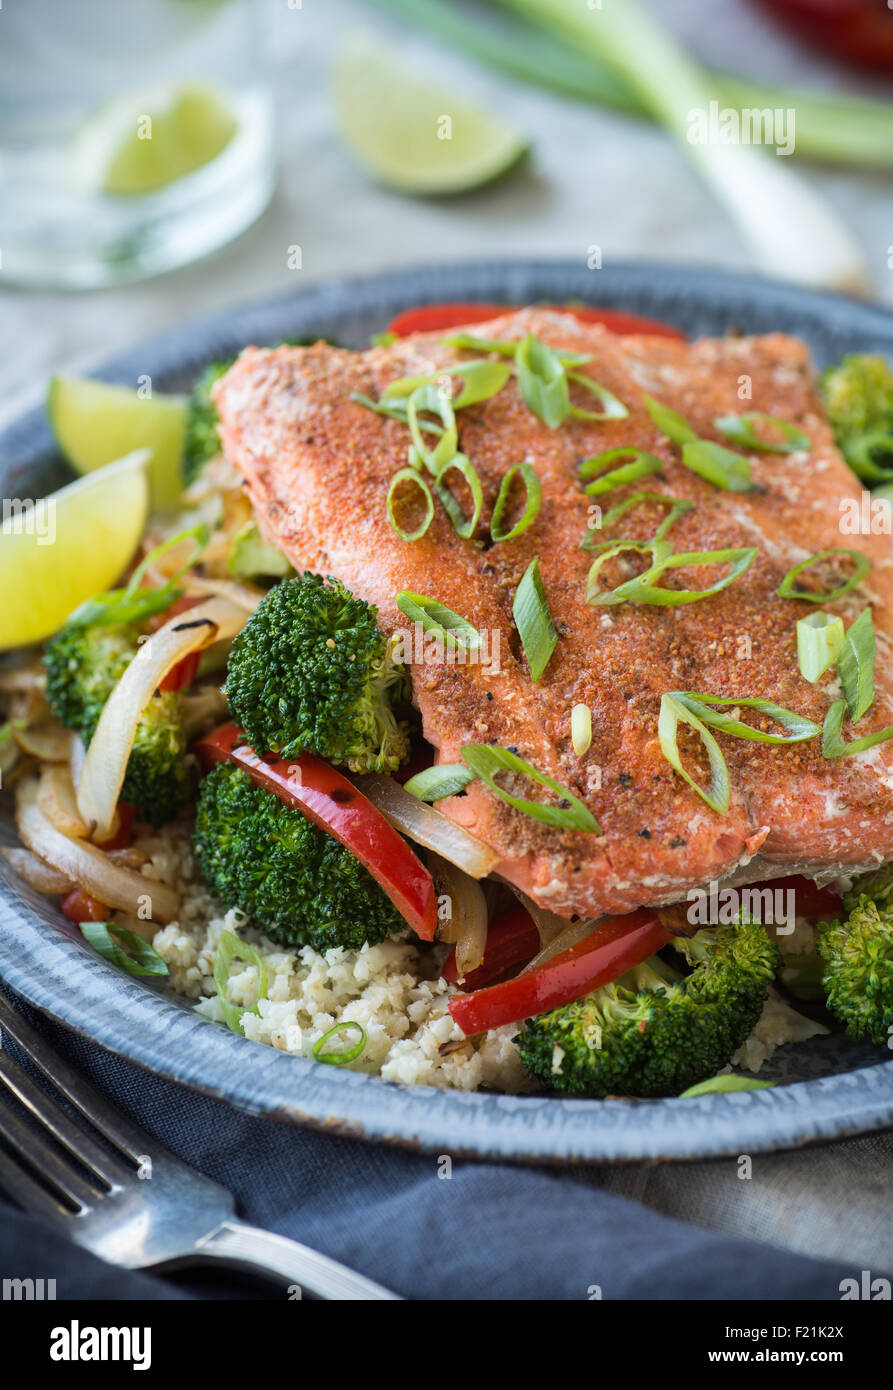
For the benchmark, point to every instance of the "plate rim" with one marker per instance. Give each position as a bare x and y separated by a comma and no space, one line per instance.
140,1025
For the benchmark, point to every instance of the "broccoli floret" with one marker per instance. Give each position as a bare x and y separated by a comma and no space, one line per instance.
858,955
83,664
298,884
657,1031
312,670
859,399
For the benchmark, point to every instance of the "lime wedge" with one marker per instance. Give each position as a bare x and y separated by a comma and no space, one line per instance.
144,141
94,423
413,135
67,547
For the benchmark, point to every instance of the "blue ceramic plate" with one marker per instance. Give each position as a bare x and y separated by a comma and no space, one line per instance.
829,1087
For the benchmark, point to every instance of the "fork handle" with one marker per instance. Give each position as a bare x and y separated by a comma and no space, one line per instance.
241,1246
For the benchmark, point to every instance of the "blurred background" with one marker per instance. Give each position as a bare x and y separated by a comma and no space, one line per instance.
293,141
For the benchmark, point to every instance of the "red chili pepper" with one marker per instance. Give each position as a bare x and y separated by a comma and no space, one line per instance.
435,318
511,940
855,31
614,947
313,787
122,836
181,675
78,906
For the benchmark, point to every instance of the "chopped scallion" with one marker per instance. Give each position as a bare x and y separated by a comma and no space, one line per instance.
229,948
434,616
140,957
819,640
411,478
672,713
670,422
533,620
855,665
464,526
799,727
435,783
640,464
740,429
788,589
340,1056
832,744
487,760
533,490
718,465
581,729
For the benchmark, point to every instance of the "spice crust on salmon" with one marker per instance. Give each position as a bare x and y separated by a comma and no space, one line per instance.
318,466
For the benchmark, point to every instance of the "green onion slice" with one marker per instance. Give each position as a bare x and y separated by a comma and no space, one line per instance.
677,507
533,620
394,411
611,407
433,399
645,589
480,381
657,548
486,760
865,453
508,347
464,526
855,665
119,607
140,958
640,464
725,1085
672,713
581,729
788,589
434,783
819,640
799,727
740,429
384,339
341,1055
436,618
531,506
718,465
412,478
669,422
229,948
543,381
832,744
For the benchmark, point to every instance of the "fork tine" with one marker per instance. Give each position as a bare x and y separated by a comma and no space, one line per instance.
30,1195
45,1158
127,1138
67,1131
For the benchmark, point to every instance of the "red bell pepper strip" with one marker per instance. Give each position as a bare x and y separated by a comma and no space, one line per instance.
511,940
180,676
614,947
857,31
313,787
823,904
78,906
122,836
437,318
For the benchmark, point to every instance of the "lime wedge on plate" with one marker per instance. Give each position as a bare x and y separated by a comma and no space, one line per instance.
413,135
94,423
68,547
145,141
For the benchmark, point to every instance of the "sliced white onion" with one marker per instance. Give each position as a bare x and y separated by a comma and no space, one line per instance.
468,915
548,924
56,799
242,595
50,742
574,932
87,866
99,785
23,678
34,871
426,826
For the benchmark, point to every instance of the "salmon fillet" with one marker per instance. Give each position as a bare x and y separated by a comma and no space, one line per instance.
318,465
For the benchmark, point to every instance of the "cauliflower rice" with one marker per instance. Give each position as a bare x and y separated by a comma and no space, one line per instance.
393,990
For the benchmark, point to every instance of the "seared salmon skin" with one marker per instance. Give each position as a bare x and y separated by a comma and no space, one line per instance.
318,466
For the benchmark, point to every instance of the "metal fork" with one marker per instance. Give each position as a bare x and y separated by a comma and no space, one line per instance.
133,1204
